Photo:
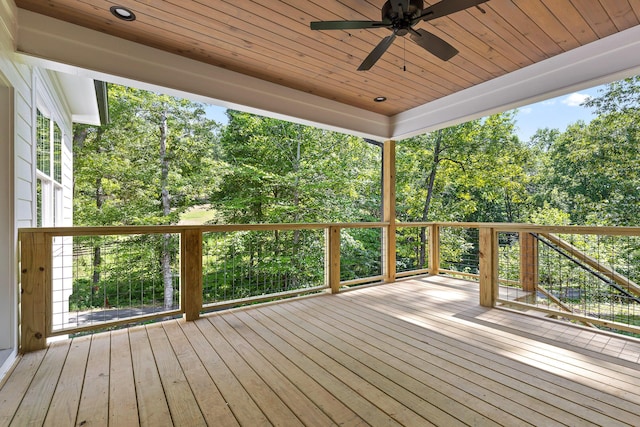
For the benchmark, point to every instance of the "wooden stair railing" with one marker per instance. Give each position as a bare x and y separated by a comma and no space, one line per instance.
621,280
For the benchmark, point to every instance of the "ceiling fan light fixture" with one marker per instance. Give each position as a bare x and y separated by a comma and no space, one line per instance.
379,99
123,13
400,16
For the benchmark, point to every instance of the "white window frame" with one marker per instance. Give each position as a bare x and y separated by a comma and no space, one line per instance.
51,190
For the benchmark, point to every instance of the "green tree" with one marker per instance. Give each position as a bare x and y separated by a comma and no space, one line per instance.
152,161
285,172
593,170
475,171
282,172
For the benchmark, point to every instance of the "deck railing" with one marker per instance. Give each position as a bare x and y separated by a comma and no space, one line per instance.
81,279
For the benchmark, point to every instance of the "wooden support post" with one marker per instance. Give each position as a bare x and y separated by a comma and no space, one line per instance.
488,267
528,262
434,249
191,273
332,259
389,210
35,289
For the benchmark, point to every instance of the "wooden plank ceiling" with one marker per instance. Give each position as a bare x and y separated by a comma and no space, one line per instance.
271,40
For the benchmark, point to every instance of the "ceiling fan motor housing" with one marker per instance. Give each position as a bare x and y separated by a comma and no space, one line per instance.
401,25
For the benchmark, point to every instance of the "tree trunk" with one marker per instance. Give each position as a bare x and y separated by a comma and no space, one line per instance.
427,203
97,258
296,203
78,141
167,276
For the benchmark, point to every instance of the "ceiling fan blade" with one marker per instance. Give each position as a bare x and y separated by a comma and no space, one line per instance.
446,7
433,44
376,53
346,25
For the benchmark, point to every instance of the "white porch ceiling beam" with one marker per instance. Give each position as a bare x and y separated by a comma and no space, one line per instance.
603,61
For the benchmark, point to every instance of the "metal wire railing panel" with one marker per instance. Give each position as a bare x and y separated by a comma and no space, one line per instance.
245,264
459,251
412,249
590,275
99,280
360,253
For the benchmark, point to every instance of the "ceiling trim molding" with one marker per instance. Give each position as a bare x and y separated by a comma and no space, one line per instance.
70,48
8,26
603,61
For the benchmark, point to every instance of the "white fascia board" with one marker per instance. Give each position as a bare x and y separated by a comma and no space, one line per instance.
603,61
73,49
80,95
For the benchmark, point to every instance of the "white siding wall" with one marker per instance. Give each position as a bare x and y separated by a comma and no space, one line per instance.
22,90
16,208
49,101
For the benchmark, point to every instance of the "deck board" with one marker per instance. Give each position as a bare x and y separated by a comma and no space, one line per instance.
205,391
184,408
153,409
94,402
17,384
123,404
417,352
472,361
35,403
238,400
64,405
462,381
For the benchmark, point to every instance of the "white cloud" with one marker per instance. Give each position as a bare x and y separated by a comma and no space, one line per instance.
575,99
549,102
525,110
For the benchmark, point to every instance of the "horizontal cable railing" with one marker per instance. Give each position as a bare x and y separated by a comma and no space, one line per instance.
81,279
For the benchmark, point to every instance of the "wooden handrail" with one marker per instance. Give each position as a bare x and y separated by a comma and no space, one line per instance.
36,261
159,229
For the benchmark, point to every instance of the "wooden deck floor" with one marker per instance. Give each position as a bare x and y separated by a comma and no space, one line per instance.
416,353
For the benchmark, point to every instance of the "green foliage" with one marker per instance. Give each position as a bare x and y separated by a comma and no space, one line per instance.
118,167
592,171
161,155
279,172
245,264
480,173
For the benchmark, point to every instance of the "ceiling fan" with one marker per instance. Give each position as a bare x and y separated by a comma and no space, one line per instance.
400,16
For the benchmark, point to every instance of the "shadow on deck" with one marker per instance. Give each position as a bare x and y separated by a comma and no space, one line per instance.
417,352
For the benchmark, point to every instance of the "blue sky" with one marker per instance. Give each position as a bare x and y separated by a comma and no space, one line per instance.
555,113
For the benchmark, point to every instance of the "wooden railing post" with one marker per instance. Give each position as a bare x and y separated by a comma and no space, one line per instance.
488,267
35,298
191,272
332,259
528,262
434,249
389,210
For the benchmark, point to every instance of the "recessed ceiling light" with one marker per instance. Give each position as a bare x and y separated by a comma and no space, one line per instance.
123,13
380,98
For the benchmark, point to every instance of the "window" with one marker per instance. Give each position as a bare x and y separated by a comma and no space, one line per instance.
57,153
44,143
49,171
